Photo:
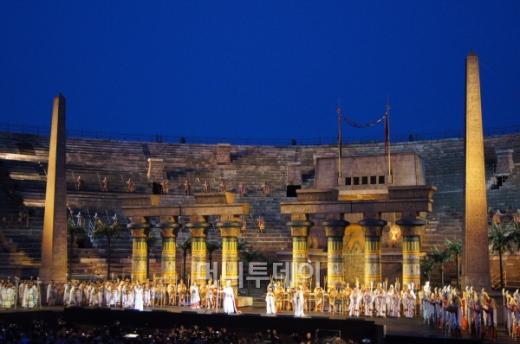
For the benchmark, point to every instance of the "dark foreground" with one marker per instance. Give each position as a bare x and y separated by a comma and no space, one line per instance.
177,325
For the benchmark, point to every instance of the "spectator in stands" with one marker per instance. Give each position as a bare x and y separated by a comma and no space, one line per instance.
205,186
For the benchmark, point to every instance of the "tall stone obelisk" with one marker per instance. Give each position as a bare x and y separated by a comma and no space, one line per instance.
54,237
475,268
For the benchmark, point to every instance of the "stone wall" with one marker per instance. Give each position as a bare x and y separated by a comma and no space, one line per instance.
23,164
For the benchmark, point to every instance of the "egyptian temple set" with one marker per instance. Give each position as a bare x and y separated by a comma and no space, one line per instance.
367,213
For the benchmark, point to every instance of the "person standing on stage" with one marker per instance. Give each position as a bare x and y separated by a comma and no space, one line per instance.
229,299
269,302
194,294
51,294
409,302
298,301
355,301
138,297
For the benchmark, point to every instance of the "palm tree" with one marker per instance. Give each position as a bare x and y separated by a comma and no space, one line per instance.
454,249
186,248
501,240
427,266
440,257
108,231
150,241
211,247
516,234
249,255
73,229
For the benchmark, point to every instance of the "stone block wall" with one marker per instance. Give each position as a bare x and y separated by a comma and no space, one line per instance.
23,164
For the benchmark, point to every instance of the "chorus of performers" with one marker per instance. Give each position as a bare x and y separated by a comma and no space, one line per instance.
447,308
121,293
156,293
20,293
381,300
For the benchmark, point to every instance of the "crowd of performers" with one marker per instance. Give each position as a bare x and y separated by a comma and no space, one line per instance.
117,293
446,308
372,301
472,311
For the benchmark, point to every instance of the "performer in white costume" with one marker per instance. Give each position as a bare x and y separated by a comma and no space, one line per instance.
298,302
355,301
409,302
138,298
269,302
194,294
229,299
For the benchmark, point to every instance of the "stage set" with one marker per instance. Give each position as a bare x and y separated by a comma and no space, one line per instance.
396,312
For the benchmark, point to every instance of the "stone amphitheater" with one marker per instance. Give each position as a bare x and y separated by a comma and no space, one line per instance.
23,159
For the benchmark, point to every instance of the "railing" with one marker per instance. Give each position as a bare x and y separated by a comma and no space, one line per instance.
117,136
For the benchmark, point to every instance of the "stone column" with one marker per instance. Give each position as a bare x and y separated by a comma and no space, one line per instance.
169,249
373,230
334,231
198,229
230,230
475,262
138,230
411,228
300,227
54,236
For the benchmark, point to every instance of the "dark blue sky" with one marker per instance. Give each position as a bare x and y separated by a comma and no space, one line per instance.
263,69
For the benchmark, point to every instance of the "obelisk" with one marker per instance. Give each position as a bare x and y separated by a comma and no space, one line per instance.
475,268
54,237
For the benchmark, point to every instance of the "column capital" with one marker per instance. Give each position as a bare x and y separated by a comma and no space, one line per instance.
373,226
411,225
198,229
138,230
169,232
229,228
335,228
300,228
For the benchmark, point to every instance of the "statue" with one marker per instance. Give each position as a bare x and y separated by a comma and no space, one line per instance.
266,190
205,186
261,224
165,185
79,183
104,184
130,185
497,217
516,217
241,189
222,186
187,187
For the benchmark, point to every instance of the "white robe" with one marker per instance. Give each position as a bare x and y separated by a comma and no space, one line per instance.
355,302
229,300
270,304
195,298
298,304
138,298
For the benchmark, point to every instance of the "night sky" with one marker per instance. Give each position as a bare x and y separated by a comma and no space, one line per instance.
258,69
